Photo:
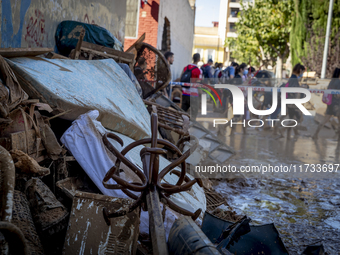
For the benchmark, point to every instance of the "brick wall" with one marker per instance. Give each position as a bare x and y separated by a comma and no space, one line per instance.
148,24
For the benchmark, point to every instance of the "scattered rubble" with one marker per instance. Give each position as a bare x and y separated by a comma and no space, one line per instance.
41,212
88,230
26,164
49,215
78,174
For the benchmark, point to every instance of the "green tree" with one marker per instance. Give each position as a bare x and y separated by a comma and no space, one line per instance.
299,29
307,36
266,25
247,49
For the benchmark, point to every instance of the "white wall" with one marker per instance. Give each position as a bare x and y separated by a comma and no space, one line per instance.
182,20
222,21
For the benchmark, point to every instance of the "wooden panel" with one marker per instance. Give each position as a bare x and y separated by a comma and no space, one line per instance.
132,47
94,53
6,143
23,52
18,141
52,55
110,51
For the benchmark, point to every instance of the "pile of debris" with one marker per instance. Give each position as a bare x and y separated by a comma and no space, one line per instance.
53,199
30,153
90,166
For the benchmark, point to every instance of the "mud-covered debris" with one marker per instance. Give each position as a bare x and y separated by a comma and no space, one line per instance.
11,93
27,165
50,142
88,229
314,250
23,220
262,239
69,186
48,213
187,238
7,182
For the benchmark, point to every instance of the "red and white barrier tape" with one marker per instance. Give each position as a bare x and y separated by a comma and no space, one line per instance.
260,89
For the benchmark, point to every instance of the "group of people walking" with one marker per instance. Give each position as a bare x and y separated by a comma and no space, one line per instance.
243,74
246,75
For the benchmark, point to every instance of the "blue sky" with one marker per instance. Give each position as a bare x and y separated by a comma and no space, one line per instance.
207,11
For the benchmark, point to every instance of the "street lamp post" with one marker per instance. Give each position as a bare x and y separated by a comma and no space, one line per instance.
325,52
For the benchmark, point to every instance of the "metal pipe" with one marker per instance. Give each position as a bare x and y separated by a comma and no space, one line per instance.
157,231
325,52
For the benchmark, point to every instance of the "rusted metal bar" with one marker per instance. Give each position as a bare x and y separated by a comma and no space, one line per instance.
151,186
157,231
159,107
171,113
177,130
164,115
177,123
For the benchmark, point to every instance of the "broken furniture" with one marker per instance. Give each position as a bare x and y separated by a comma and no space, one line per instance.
49,215
23,52
90,51
84,140
132,48
262,239
157,74
28,133
170,119
176,95
52,55
173,125
150,186
70,185
22,218
216,149
88,232
187,238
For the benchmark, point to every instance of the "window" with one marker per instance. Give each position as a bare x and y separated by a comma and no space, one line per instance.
234,12
211,55
232,27
200,51
132,17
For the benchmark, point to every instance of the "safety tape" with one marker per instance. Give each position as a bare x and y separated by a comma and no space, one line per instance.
259,89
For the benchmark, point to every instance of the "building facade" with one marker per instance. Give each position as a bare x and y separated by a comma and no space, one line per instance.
33,23
231,10
210,41
209,44
168,26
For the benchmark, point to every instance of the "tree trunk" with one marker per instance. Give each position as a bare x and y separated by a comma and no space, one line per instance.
279,67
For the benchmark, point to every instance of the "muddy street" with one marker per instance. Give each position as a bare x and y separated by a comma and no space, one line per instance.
305,209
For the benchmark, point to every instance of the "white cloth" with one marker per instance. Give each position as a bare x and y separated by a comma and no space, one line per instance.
84,140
